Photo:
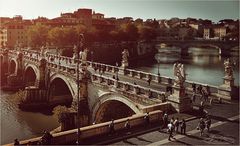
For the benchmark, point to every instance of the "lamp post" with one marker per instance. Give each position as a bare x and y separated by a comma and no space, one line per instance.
157,57
79,47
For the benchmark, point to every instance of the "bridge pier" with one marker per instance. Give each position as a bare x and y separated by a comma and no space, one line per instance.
179,100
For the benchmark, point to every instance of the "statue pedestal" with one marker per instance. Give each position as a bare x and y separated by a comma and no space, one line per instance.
227,90
124,64
179,100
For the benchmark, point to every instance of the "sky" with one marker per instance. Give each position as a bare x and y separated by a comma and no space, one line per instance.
145,9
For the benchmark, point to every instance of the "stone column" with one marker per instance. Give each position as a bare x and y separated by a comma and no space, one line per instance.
43,71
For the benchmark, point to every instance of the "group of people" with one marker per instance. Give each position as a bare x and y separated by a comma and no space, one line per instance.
204,123
173,125
203,91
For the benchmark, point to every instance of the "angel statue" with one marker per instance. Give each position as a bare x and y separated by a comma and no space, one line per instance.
179,73
83,54
228,65
125,55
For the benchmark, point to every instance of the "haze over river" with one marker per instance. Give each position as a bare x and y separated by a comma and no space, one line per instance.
204,66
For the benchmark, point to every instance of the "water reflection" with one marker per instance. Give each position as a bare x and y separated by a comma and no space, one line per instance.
19,124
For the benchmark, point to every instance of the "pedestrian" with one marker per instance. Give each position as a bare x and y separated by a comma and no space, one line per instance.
165,120
111,127
16,142
201,126
149,81
127,127
211,101
170,130
199,89
201,108
194,87
193,97
176,125
146,119
46,138
172,120
183,126
208,123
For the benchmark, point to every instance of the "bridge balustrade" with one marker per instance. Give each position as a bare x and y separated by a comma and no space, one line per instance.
32,55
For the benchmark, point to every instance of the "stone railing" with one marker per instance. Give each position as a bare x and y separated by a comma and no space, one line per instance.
146,94
70,136
70,63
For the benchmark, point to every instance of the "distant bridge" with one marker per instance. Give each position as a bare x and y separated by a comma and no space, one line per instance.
223,47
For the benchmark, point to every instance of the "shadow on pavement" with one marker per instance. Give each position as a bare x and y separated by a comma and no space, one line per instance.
141,139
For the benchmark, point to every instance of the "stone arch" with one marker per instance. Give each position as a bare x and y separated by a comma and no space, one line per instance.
206,45
103,106
62,83
13,66
31,74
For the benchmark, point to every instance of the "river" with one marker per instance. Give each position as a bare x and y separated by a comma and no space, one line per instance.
202,66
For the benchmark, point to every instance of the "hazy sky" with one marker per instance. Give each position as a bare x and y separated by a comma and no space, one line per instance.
159,9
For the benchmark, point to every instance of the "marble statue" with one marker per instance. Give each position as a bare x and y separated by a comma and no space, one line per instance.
179,73
228,65
75,52
83,54
125,55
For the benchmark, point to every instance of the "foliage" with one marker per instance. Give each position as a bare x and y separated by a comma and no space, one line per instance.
38,35
19,96
59,111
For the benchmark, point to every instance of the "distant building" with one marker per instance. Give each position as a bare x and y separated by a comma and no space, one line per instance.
14,32
206,33
97,16
219,31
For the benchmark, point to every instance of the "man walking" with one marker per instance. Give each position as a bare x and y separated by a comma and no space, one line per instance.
176,125
183,126
170,130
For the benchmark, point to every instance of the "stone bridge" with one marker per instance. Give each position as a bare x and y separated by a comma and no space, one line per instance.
52,80
223,47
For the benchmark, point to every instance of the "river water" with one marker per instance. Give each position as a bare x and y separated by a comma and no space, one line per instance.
201,66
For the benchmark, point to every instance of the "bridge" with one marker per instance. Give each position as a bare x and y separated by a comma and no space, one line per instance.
50,79
222,47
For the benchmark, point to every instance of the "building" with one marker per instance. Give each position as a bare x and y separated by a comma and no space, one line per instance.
14,32
219,31
206,33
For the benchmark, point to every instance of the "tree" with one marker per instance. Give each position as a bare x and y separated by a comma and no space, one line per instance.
56,36
37,35
147,33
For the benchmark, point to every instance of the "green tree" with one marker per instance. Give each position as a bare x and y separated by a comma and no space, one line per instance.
56,36
37,35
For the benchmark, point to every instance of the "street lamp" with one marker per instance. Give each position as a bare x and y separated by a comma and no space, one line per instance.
79,47
158,58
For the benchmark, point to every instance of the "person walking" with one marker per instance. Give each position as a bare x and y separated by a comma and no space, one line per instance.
127,127
183,126
176,125
208,123
201,126
149,81
194,87
165,120
111,127
170,130
46,138
193,97
146,119
16,142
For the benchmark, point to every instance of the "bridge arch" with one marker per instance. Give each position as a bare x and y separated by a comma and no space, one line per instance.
61,90
31,75
113,106
216,47
13,66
